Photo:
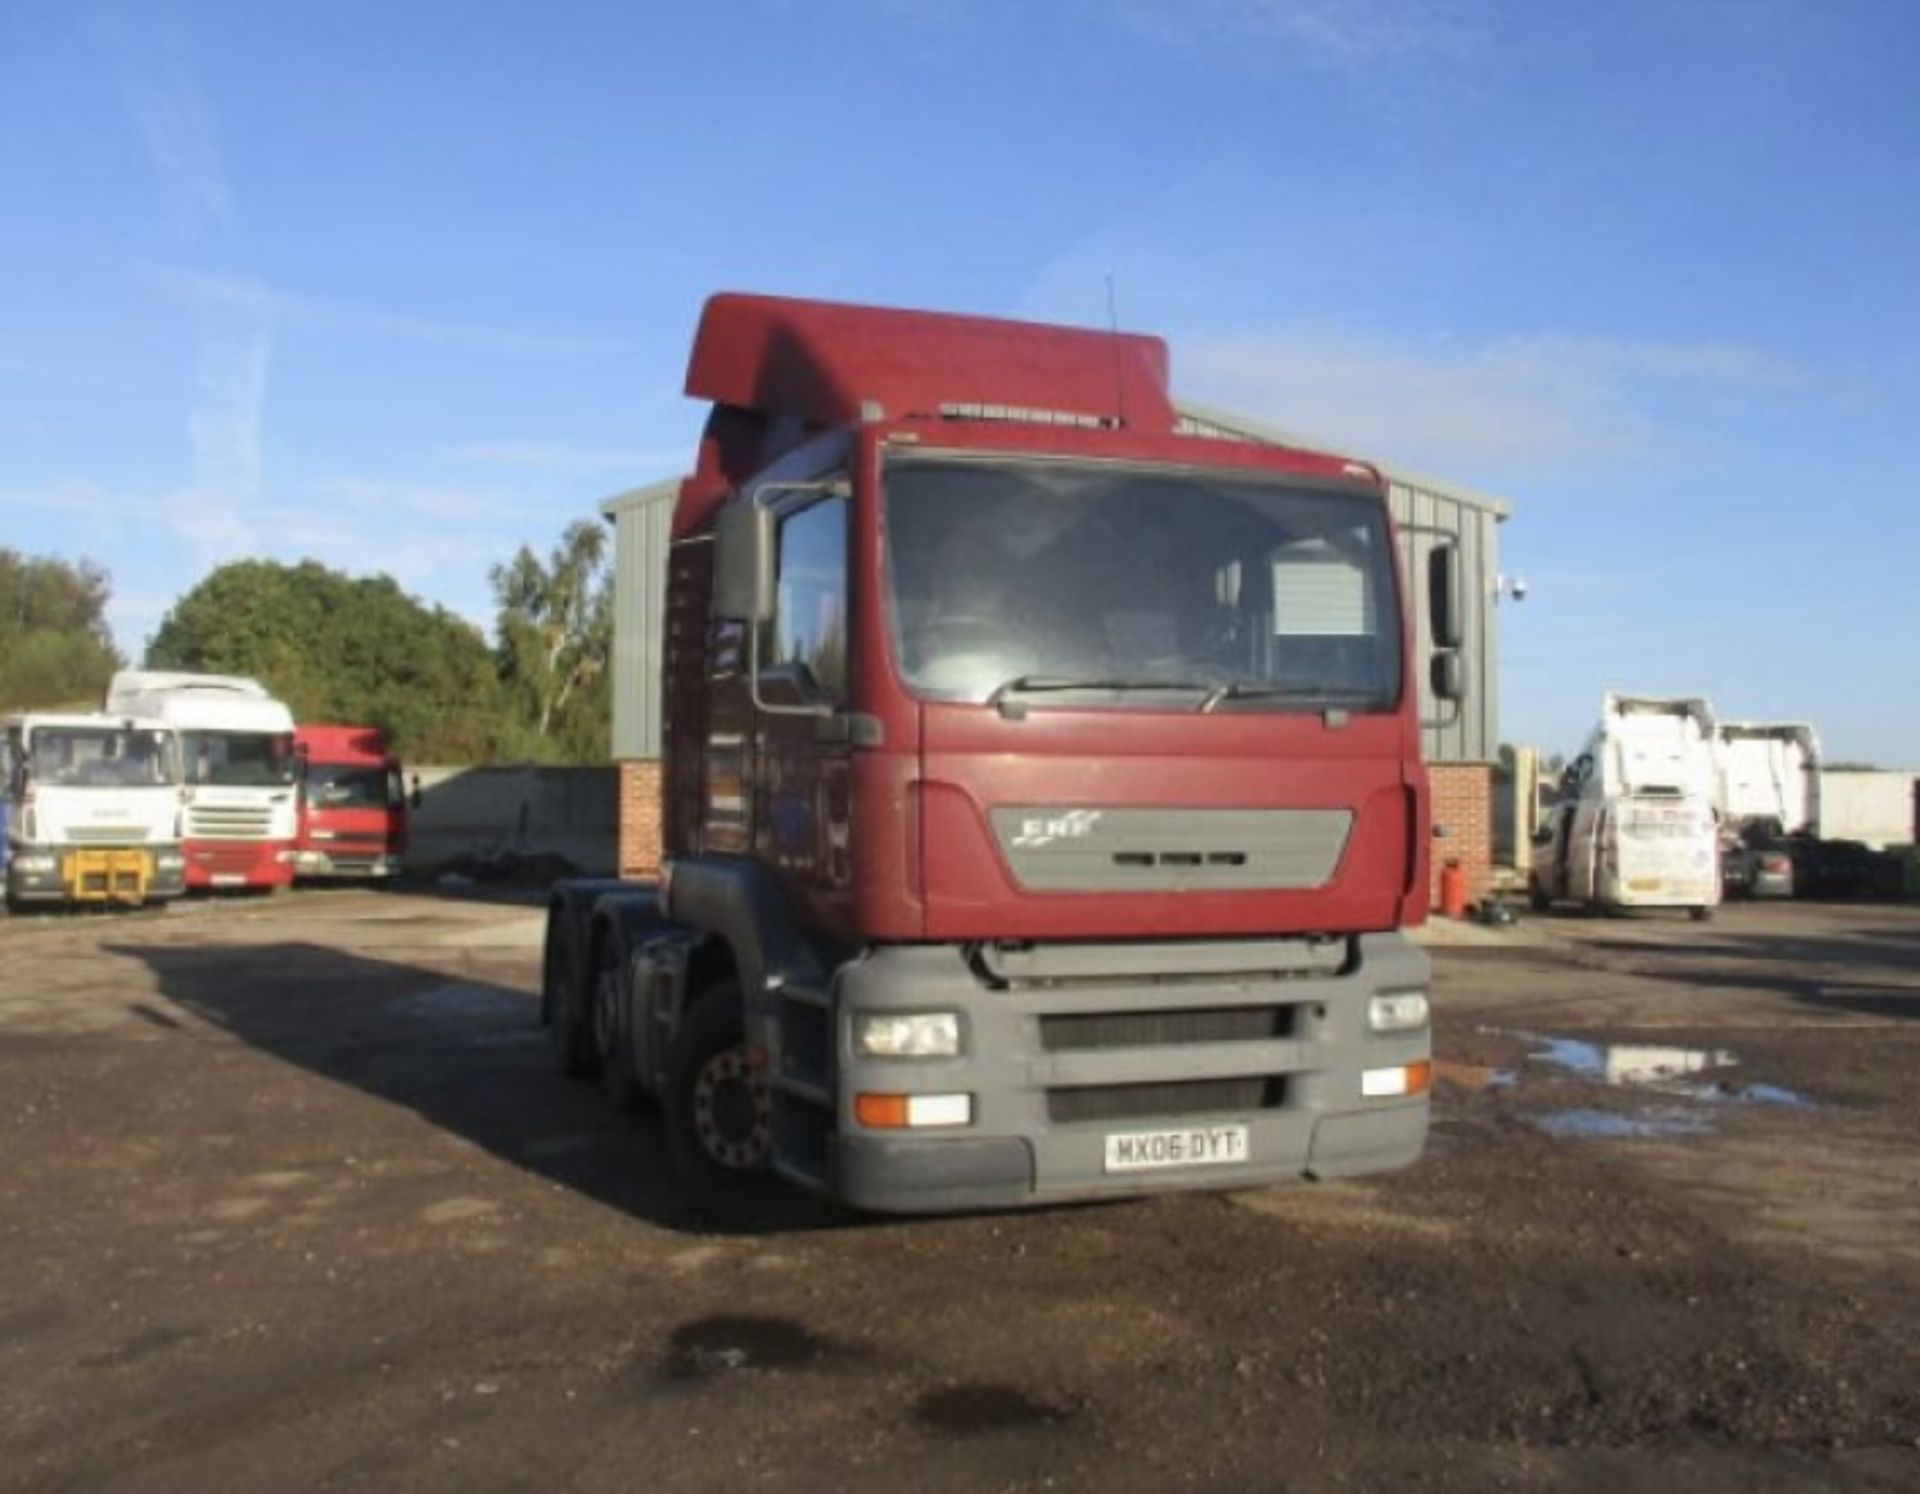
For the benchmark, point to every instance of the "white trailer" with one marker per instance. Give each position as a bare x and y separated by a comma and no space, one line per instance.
1635,824
93,809
238,762
1875,806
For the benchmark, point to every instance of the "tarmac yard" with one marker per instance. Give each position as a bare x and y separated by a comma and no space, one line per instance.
291,1199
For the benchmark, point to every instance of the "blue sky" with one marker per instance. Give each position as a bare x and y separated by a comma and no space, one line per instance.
398,286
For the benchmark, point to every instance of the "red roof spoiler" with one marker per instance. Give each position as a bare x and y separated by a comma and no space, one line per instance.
777,371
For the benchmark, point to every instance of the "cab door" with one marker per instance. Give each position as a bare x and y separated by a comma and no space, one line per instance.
801,765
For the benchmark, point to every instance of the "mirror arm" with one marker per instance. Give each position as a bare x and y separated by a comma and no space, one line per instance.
813,708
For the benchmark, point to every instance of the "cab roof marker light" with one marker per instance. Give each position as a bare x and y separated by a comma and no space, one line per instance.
1028,415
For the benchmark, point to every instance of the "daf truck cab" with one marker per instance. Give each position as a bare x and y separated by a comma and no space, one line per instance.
353,803
93,809
1044,808
238,767
1635,826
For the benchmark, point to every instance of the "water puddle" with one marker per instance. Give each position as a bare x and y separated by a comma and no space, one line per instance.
725,1343
1694,1076
1584,1122
970,1410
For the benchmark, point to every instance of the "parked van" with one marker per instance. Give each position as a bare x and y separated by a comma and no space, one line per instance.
1635,826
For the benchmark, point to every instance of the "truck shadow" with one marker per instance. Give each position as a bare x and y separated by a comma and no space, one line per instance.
1871,972
465,1055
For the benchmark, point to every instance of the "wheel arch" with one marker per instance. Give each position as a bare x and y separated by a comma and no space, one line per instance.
748,928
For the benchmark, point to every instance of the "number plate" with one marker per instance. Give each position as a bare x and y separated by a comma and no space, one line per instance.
229,879
1184,1146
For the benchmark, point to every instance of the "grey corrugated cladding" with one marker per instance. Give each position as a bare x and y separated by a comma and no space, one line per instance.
642,529
1428,512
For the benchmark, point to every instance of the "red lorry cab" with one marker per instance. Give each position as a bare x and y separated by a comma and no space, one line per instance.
1042,795
353,805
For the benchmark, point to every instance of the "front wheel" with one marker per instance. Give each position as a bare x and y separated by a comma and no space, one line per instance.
1699,915
719,1111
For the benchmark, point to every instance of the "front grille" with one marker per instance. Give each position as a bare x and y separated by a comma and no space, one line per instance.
108,835
1081,849
224,859
1111,1102
1075,1033
208,822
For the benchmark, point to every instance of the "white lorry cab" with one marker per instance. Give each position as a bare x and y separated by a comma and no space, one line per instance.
1767,792
93,809
1635,825
1768,776
238,766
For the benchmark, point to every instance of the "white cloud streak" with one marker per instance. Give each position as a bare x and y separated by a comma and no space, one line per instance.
214,513
173,119
314,313
1509,409
556,456
405,500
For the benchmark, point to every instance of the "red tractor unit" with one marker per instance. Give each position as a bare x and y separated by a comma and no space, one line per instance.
353,806
1043,801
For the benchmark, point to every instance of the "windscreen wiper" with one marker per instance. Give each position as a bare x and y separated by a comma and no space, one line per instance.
1023,684
1315,694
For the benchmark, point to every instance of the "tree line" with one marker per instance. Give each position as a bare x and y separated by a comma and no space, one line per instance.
352,649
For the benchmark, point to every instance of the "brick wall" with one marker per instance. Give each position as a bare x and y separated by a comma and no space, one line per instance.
1463,803
640,833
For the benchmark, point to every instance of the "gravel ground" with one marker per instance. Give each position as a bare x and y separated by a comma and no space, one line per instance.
289,1199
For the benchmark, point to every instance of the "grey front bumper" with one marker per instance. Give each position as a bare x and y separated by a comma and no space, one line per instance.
30,881
1314,1123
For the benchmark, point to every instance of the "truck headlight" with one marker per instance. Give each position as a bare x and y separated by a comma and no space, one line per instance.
1397,1011
906,1034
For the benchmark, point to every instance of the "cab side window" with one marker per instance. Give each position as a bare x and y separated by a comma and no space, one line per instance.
810,617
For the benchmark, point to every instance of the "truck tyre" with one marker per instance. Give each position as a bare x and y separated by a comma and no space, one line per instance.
1700,915
613,1023
718,1116
563,1002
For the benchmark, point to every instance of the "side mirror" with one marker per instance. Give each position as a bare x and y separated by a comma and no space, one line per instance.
1445,600
743,580
1448,676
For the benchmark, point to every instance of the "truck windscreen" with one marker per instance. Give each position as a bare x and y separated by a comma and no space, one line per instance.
237,759
90,757
348,786
1113,586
